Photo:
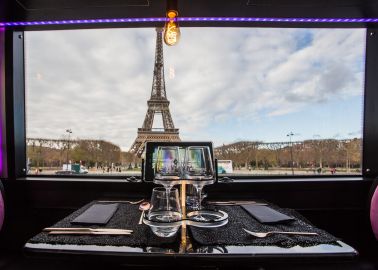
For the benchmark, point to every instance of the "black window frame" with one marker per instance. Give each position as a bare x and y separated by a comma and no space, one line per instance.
15,103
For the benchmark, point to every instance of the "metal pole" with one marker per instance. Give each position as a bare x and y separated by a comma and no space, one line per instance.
291,152
183,244
69,131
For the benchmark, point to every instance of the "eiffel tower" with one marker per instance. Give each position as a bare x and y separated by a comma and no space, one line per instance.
157,104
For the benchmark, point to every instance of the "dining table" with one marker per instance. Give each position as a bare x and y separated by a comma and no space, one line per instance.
199,246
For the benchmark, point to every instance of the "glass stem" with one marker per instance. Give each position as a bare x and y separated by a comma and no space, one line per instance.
199,195
167,192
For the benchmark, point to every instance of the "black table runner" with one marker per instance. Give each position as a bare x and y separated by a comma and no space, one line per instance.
126,217
233,233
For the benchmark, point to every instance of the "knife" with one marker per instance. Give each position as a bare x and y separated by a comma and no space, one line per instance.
235,203
86,230
90,233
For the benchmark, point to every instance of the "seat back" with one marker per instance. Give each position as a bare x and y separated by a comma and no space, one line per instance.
374,212
1,205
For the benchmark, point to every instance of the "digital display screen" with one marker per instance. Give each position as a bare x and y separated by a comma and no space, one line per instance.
173,158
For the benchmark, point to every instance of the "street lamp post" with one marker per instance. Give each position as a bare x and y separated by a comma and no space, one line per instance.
320,147
69,131
291,134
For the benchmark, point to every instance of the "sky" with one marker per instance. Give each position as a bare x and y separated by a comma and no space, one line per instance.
224,84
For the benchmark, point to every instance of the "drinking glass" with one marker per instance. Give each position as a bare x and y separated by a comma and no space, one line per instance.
198,167
167,167
164,221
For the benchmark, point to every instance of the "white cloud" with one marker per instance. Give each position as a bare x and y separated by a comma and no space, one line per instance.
97,82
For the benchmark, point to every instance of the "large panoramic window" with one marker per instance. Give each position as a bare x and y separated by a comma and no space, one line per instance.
272,101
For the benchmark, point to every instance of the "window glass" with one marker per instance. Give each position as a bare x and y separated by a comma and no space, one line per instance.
272,101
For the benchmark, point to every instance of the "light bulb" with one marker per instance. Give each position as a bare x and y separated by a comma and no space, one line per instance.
171,29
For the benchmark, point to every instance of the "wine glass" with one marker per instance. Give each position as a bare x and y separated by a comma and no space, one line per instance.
198,167
167,167
164,221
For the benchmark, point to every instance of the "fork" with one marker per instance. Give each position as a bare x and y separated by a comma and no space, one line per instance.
265,234
120,201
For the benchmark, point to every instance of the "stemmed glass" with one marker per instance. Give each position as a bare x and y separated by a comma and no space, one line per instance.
198,167
167,167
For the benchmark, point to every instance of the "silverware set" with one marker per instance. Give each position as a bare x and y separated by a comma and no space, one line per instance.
94,231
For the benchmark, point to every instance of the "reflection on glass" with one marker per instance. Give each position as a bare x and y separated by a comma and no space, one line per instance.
212,249
167,167
167,163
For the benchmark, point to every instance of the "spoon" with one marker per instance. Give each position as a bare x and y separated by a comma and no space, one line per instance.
144,206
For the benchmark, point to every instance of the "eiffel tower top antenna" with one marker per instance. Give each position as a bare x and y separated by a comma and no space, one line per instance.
158,83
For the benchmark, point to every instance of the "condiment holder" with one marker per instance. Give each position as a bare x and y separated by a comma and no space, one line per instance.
213,219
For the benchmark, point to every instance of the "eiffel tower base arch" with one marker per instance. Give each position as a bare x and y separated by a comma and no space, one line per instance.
153,136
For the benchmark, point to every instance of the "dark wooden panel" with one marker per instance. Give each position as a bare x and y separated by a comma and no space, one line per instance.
83,9
30,5
370,135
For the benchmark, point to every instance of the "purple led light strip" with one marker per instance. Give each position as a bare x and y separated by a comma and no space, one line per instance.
2,143
195,19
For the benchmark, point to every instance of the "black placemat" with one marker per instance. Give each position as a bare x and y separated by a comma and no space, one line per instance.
97,214
238,218
265,214
126,217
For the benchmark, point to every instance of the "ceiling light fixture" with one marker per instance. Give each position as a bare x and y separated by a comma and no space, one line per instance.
172,32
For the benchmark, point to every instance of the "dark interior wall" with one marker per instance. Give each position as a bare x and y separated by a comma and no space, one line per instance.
3,10
3,156
32,10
